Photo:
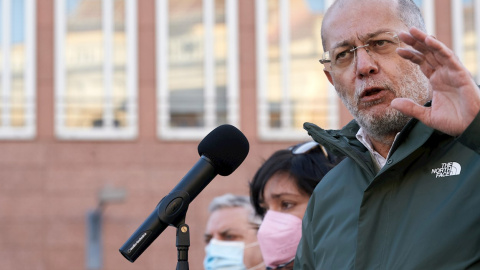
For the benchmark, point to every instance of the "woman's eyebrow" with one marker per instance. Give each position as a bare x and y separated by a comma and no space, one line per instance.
278,195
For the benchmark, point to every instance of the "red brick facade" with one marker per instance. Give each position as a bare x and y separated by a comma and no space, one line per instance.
47,186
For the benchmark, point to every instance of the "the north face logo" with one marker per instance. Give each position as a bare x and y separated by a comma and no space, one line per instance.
447,169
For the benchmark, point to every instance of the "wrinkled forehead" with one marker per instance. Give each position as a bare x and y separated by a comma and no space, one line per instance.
227,218
351,20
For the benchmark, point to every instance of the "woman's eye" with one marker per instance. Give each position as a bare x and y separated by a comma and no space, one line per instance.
287,205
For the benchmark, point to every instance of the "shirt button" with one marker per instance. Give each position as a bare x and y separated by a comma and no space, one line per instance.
390,161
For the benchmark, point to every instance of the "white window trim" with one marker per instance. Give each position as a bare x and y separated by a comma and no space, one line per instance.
107,132
477,34
164,130
286,132
429,15
29,130
334,111
457,28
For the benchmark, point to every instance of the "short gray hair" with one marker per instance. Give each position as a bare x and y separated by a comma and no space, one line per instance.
231,200
408,12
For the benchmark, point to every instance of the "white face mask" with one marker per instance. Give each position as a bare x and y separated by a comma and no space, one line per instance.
226,255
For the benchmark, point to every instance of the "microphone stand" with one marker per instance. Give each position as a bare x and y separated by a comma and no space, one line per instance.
170,211
174,213
183,243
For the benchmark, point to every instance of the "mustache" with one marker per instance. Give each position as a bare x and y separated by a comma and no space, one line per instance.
371,84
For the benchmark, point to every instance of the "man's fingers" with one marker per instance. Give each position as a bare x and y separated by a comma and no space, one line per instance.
416,39
411,55
417,58
418,52
435,51
410,108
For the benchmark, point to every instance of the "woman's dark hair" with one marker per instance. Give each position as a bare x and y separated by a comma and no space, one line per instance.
306,169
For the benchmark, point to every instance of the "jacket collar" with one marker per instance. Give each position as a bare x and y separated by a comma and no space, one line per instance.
343,142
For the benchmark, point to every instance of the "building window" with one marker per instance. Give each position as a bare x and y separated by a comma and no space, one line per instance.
466,34
17,69
292,88
197,67
96,69
428,11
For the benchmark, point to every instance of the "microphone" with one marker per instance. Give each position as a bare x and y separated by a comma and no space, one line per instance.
221,152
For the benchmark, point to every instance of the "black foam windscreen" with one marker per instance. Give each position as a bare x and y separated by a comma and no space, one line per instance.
226,147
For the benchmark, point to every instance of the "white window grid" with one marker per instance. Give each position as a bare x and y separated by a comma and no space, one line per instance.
459,34
428,8
108,131
286,131
28,131
164,129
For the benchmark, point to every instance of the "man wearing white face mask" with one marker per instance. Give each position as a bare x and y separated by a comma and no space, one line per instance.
230,235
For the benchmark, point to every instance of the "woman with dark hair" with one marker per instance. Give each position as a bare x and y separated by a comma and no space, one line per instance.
280,191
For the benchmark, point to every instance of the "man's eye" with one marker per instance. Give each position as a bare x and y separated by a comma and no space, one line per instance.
207,239
342,55
230,237
380,43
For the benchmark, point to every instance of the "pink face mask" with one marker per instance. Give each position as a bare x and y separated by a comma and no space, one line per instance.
278,237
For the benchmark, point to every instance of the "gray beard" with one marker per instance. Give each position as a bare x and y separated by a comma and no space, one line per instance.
383,127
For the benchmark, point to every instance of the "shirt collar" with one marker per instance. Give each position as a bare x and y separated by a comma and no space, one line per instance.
378,159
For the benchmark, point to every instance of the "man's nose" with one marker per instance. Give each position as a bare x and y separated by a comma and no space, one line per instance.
364,62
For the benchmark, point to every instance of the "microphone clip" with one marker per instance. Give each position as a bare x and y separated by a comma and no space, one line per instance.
172,208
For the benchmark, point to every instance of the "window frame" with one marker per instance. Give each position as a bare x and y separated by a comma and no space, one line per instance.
28,131
107,132
286,132
164,130
458,33
428,8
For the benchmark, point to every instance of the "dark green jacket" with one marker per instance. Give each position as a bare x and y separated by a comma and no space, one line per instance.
420,211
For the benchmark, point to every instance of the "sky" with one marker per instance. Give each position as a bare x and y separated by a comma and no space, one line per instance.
17,21
17,18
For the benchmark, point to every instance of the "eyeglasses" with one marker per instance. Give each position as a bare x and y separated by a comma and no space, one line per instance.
303,148
306,147
381,44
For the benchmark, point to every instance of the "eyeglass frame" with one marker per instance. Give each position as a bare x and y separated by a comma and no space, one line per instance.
303,148
306,147
326,55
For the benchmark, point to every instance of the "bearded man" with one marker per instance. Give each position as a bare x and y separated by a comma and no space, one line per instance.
407,194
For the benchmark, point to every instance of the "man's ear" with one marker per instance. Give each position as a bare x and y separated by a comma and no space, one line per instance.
329,76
